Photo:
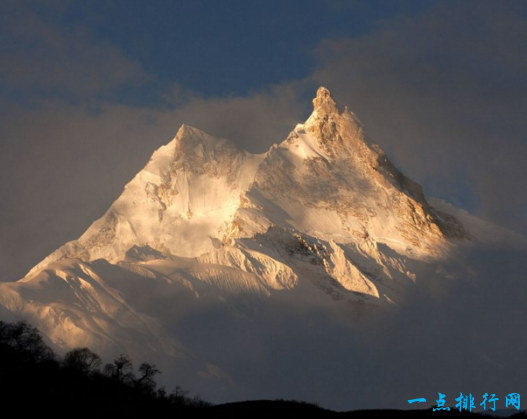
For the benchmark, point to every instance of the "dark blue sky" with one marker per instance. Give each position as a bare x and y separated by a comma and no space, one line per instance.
230,47
212,48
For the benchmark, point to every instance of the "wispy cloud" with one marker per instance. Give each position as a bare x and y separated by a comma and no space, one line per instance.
44,56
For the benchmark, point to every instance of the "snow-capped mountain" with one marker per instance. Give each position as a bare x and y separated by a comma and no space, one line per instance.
323,219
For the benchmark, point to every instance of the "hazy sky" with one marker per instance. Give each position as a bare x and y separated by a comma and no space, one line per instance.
88,90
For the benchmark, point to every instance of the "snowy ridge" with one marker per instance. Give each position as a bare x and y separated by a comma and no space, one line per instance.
179,203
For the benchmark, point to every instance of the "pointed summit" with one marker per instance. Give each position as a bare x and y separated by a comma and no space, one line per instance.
324,102
182,130
330,123
323,96
327,115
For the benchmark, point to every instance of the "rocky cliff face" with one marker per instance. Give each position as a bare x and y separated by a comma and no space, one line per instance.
327,172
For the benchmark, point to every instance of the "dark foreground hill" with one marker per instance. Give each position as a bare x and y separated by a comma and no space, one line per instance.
35,381
301,409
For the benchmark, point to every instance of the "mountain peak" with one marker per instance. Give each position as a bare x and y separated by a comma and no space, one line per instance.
324,101
323,92
199,189
186,130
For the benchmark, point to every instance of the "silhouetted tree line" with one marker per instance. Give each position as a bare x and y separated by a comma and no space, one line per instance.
33,379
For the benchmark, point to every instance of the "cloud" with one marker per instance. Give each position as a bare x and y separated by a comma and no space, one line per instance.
448,335
253,122
47,56
444,92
